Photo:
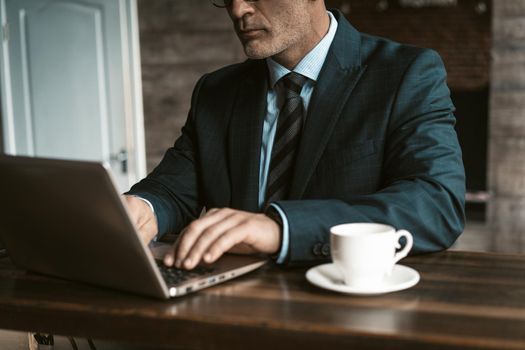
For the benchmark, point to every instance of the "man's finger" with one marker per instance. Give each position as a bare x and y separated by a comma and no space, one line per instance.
169,257
193,232
208,236
225,242
211,211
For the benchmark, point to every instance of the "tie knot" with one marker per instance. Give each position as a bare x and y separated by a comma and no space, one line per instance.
293,83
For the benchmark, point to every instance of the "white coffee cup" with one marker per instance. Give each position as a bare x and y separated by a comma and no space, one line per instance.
366,252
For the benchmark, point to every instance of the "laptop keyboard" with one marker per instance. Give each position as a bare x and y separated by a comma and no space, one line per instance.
173,275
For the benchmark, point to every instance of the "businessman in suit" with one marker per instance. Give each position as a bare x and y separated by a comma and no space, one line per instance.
322,125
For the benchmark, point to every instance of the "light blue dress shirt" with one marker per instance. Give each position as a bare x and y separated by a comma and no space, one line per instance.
309,66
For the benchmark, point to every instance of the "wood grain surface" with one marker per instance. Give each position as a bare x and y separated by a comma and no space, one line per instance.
463,301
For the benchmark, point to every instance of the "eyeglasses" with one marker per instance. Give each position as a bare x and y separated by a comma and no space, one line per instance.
226,3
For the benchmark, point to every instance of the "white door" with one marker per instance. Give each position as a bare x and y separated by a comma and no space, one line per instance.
71,82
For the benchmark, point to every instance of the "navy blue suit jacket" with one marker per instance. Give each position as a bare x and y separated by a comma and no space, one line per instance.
378,145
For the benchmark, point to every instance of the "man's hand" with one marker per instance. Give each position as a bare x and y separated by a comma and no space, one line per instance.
221,231
142,217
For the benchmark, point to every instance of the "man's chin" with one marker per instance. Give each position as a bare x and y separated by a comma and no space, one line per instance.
256,53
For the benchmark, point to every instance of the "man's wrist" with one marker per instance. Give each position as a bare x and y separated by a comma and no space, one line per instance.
146,201
155,236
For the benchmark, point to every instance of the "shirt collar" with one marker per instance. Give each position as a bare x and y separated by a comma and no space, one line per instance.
311,64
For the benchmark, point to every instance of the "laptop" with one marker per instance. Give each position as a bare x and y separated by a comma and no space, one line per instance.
66,219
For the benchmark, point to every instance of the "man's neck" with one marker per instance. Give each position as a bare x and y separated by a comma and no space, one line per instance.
291,57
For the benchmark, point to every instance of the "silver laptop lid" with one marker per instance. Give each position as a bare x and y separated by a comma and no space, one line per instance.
65,218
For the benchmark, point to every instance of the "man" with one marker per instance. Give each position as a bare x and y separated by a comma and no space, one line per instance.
362,130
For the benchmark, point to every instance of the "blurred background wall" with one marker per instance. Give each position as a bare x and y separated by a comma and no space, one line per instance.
506,214
180,41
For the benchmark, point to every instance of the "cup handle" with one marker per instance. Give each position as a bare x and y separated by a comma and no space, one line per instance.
403,252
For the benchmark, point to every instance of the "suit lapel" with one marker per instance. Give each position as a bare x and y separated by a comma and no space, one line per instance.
246,137
340,73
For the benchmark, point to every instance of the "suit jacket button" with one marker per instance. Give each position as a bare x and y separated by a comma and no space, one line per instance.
317,249
326,249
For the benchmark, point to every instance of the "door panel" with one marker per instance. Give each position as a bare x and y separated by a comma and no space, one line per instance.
67,64
64,39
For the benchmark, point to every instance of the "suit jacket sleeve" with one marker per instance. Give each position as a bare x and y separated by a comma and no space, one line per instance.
423,181
172,187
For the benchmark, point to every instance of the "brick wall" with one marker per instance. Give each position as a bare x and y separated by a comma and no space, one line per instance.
460,34
180,41
507,128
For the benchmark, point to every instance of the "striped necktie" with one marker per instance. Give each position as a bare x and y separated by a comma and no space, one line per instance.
287,137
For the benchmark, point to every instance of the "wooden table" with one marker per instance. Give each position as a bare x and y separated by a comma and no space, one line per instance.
463,301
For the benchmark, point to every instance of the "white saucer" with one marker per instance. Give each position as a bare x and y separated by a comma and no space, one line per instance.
329,277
